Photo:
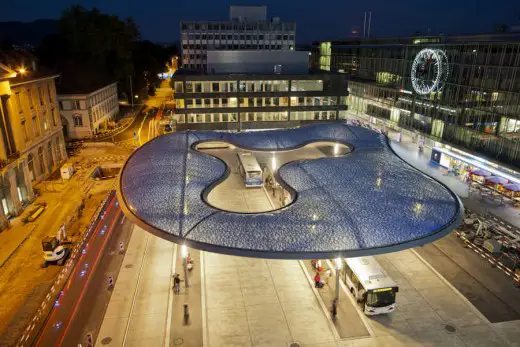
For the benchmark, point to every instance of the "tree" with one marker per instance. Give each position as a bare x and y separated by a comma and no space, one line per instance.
91,39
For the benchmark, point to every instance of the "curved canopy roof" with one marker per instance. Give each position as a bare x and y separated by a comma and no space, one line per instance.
367,202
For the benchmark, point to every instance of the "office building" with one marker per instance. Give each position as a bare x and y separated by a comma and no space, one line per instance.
257,100
31,134
461,90
247,29
87,110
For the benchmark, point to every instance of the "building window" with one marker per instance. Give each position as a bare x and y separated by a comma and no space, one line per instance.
41,159
29,97
30,165
18,103
78,121
49,91
54,117
49,150
36,128
24,131
58,152
75,105
40,95
44,120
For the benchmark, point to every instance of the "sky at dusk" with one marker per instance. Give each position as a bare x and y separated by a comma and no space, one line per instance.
325,19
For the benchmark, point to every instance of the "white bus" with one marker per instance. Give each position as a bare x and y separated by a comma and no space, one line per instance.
374,290
250,169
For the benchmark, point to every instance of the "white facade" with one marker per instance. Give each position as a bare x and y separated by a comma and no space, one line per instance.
247,29
86,114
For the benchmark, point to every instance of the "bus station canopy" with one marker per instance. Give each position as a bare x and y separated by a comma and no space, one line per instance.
367,202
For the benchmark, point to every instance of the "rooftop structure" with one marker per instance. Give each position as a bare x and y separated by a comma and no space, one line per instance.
366,202
247,29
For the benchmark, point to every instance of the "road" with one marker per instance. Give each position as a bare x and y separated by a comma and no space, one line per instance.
82,304
145,119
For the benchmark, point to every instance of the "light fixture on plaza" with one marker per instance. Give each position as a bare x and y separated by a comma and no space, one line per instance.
338,264
273,162
22,71
136,96
184,251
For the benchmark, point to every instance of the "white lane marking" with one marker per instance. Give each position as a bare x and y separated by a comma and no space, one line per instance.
170,301
205,339
136,290
122,219
141,128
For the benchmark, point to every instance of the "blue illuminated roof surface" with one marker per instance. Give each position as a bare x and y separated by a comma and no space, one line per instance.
366,202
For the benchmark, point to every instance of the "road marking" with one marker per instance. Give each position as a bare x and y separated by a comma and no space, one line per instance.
136,290
141,128
122,219
170,300
205,339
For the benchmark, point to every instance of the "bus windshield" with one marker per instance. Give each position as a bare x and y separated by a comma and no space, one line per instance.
254,174
380,298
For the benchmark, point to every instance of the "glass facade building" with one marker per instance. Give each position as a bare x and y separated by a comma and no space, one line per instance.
463,91
242,101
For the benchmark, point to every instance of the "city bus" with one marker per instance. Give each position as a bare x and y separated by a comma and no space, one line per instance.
250,170
373,289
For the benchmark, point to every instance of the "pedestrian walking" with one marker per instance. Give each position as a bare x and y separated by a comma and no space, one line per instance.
334,310
110,281
121,247
176,284
90,340
317,280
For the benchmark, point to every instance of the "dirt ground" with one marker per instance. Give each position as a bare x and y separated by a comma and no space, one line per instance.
23,283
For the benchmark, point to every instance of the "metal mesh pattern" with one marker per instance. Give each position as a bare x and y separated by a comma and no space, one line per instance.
366,202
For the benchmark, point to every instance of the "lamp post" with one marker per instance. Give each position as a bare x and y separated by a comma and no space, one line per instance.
184,254
338,268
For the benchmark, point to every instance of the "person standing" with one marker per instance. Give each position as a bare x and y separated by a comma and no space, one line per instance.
176,284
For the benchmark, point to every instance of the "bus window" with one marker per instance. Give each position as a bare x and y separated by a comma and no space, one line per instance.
380,297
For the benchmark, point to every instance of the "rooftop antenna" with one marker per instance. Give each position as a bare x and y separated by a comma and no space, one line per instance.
369,23
364,24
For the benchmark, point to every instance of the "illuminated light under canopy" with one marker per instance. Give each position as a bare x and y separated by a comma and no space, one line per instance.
336,210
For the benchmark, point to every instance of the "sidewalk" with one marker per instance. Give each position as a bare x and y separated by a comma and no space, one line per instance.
408,150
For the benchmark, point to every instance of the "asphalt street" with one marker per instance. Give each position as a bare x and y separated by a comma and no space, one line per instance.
80,308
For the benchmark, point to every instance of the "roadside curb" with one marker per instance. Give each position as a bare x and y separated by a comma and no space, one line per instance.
17,247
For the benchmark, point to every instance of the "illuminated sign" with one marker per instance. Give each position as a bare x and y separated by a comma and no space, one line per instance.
382,290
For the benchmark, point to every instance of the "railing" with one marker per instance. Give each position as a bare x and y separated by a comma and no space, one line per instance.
38,321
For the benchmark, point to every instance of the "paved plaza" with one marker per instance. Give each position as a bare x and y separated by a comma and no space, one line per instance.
238,301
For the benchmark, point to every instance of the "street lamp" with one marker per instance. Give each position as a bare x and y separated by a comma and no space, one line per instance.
184,255
339,263
136,96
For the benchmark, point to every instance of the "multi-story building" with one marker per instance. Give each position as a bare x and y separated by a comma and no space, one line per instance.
257,100
31,135
461,90
247,29
87,111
